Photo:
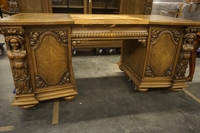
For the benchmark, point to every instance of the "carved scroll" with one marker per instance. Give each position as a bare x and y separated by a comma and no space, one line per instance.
156,34
187,47
35,36
41,82
17,56
150,72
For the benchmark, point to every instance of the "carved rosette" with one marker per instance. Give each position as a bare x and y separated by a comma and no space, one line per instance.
187,47
41,82
155,35
17,55
35,36
148,7
109,35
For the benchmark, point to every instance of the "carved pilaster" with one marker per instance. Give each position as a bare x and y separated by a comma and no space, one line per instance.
186,48
18,59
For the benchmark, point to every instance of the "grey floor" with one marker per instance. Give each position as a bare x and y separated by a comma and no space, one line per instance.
106,103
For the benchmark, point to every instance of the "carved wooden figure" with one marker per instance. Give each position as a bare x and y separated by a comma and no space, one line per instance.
192,60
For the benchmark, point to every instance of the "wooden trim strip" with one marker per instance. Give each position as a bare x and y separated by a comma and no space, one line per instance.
55,117
6,128
191,95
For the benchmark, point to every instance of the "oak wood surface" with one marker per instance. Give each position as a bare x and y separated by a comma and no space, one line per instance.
55,19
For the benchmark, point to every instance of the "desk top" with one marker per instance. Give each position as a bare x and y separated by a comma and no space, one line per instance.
63,19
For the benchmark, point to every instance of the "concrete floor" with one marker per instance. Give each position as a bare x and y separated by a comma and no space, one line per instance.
106,103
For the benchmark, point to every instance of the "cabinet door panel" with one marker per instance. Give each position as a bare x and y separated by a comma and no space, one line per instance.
50,53
162,54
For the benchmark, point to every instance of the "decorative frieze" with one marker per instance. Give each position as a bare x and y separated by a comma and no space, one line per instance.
109,35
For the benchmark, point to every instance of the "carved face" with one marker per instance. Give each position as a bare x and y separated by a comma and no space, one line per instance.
14,44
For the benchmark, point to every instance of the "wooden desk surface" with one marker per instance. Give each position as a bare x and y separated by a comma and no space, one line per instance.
37,19
61,19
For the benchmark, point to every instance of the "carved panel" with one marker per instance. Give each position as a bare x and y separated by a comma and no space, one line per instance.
50,54
187,47
18,59
162,52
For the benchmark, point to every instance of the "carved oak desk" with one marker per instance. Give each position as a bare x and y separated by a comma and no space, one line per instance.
155,51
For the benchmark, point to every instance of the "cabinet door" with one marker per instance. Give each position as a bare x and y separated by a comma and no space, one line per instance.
51,57
163,52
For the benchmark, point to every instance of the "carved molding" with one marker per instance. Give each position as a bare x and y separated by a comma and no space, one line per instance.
17,55
150,72
148,7
41,82
156,34
12,31
36,37
109,35
187,47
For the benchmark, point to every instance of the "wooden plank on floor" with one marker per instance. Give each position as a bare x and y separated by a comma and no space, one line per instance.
191,95
6,128
55,117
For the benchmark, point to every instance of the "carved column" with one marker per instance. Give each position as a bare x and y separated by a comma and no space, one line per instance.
182,64
17,55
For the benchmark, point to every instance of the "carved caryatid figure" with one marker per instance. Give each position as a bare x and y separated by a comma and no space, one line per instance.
17,56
